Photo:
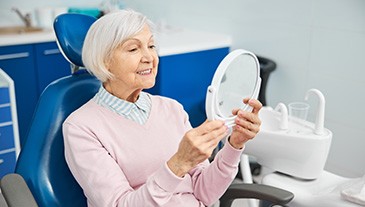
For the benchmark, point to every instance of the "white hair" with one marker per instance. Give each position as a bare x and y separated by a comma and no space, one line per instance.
105,35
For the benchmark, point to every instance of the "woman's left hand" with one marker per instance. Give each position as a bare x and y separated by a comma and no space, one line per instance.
247,124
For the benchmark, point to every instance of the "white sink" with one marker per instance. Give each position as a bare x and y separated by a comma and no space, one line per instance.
302,154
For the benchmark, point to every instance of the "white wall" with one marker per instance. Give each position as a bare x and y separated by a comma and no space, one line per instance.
315,43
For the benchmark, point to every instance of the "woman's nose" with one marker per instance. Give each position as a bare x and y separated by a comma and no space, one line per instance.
148,55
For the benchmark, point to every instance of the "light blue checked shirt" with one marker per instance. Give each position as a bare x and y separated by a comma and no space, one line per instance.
138,111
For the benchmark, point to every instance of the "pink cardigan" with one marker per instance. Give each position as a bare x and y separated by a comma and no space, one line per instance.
119,162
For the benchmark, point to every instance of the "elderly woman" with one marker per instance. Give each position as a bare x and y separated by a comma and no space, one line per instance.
126,147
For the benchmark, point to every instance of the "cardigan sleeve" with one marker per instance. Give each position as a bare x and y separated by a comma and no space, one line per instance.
217,175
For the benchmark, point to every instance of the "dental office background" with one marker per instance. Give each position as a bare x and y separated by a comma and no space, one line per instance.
315,43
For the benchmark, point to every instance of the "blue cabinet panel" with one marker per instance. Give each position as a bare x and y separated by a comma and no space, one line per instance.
7,163
5,114
18,62
50,64
4,95
186,77
6,137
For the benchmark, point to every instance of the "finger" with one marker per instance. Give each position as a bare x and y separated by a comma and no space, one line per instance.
208,126
216,135
248,125
234,111
209,141
255,104
247,133
212,139
245,101
249,116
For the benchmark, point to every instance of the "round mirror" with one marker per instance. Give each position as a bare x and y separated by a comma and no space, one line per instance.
237,77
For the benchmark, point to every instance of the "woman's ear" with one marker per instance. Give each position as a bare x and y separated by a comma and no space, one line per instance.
108,61
107,64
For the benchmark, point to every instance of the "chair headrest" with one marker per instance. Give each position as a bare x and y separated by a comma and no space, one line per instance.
71,29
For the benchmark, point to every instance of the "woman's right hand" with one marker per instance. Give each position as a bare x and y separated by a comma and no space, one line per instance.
196,146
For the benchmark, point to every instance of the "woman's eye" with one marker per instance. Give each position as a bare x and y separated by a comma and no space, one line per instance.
132,49
152,46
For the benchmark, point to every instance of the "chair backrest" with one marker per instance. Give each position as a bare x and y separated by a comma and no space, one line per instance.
41,161
70,31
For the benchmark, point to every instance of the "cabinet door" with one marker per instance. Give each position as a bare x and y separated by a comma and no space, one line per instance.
6,137
50,64
7,162
18,63
4,95
186,77
5,112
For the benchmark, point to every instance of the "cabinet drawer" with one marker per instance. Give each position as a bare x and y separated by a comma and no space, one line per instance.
7,163
6,137
5,114
4,95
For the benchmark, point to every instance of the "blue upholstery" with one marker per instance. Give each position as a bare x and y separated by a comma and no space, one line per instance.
41,161
70,32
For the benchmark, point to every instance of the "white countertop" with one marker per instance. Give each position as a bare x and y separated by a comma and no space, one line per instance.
169,42
27,38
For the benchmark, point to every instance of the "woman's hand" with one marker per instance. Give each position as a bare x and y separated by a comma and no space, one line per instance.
247,124
196,146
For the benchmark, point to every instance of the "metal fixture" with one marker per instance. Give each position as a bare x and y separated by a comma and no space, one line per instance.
25,18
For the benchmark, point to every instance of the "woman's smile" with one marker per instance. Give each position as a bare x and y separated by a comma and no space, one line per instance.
145,71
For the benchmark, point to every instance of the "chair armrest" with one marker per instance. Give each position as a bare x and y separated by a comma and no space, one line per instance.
16,191
2,201
274,195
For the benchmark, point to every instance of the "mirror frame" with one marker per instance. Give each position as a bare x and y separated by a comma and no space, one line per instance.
211,103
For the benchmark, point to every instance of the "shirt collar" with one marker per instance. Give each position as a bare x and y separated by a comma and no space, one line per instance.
143,101
121,106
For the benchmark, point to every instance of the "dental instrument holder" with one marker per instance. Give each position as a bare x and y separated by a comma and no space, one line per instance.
284,116
319,123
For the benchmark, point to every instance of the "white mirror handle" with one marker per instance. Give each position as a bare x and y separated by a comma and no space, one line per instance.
209,102
212,114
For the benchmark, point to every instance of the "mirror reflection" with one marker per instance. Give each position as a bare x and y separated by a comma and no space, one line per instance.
238,82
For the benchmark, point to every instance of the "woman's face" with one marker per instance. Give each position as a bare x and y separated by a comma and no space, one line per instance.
134,66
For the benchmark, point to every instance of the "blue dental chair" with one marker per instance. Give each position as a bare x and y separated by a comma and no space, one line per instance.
42,177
